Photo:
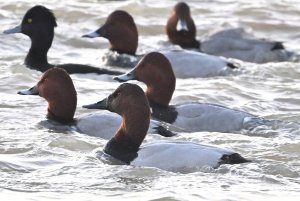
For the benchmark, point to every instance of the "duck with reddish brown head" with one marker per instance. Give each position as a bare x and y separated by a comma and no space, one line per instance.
231,43
121,32
57,87
38,23
181,29
156,72
130,102
119,28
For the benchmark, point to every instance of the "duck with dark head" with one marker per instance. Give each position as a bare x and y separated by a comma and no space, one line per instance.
38,23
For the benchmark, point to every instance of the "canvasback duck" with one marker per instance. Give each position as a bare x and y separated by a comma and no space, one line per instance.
121,31
129,101
57,87
231,43
38,23
156,72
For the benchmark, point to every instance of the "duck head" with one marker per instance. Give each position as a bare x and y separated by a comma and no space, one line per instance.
120,29
36,20
38,23
57,88
129,101
155,70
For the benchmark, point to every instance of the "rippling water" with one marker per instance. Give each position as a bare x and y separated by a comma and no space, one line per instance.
43,161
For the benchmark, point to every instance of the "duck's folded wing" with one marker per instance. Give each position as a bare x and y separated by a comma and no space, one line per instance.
188,64
210,117
179,156
236,39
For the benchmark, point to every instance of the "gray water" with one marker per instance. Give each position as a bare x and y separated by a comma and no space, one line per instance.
42,161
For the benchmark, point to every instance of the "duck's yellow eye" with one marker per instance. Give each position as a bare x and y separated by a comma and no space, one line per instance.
29,20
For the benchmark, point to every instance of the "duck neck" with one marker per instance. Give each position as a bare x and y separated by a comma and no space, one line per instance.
186,39
37,55
124,48
125,42
161,94
133,128
129,51
126,142
62,111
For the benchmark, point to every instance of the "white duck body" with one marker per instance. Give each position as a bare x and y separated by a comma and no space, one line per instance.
189,64
209,117
237,43
187,156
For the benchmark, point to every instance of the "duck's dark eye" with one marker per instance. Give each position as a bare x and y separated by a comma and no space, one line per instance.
29,20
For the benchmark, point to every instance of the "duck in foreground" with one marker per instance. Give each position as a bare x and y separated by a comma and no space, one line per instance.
155,71
38,23
121,31
230,43
57,87
129,101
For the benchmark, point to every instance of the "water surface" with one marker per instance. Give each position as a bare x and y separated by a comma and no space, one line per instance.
42,161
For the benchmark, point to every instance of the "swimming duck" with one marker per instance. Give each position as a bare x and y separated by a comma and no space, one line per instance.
180,28
155,71
129,101
230,43
122,34
38,23
57,87
121,31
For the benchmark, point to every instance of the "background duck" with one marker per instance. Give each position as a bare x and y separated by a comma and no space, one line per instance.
121,31
38,24
231,43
